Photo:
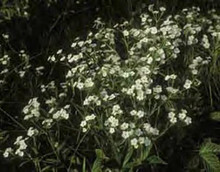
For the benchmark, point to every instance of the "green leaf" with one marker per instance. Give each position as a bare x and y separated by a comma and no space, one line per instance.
208,153
84,165
142,155
211,161
128,156
215,116
100,154
209,147
97,165
155,160
145,152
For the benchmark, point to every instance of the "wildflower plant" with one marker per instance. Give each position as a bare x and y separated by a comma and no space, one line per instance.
118,104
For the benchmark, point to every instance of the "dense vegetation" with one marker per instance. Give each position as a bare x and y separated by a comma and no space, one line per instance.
108,85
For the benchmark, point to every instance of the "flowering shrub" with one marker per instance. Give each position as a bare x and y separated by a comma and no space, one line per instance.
114,103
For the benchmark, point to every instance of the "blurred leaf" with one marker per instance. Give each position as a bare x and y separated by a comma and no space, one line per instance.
215,116
193,163
84,165
155,160
46,168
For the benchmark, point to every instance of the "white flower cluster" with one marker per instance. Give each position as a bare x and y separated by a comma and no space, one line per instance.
5,60
20,142
127,94
7,152
170,77
92,100
32,132
61,114
205,42
196,63
85,124
139,114
142,140
32,109
181,116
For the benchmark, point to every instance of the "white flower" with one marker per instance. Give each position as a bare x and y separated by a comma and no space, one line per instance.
18,139
80,85
149,60
140,95
162,9
171,114
83,123
141,140
19,153
167,77
182,116
173,120
147,127
157,89
133,112
59,51
157,96
51,58
125,134
111,130
90,117
148,91
89,83
116,110
194,71
153,30
32,131
23,145
134,142
124,126
138,86
125,75
73,44
84,130
138,132
187,84
172,90
125,33
5,36
47,122
147,141
65,115
113,121
130,91
132,125
56,115
7,152
112,96
81,43
188,120
140,114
